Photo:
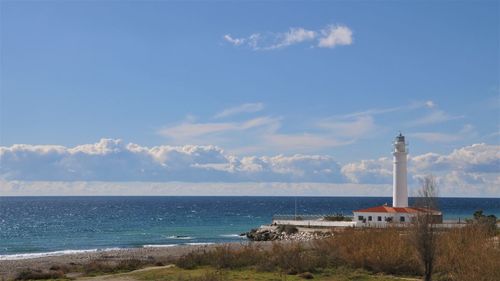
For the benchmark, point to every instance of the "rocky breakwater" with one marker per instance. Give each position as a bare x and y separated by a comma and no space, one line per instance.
285,232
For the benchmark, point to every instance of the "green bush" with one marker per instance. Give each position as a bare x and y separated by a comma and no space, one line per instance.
337,217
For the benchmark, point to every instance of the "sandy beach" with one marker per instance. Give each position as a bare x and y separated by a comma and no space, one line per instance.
9,268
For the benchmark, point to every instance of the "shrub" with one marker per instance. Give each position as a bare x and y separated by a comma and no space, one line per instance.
306,275
129,265
337,217
468,253
488,222
62,267
222,257
34,274
193,259
292,258
97,267
379,250
289,258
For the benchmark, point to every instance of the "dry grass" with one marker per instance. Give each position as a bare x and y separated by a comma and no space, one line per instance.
377,250
468,253
222,256
37,274
97,267
291,258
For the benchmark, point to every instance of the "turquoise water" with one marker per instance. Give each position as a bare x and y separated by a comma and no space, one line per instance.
31,225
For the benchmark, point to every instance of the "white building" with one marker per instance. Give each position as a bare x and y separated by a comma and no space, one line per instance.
399,212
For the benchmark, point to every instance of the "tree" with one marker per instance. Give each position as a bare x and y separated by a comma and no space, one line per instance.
488,223
423,234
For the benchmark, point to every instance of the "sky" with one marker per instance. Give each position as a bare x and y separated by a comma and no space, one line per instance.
247,98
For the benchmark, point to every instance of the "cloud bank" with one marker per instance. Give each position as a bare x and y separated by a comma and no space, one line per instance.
328,37
468,171
471,170
113,160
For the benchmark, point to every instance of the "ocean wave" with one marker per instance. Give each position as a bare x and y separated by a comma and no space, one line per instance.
180,237
232,236
50,254
160,246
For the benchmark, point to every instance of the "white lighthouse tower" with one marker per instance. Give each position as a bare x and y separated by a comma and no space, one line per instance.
400,188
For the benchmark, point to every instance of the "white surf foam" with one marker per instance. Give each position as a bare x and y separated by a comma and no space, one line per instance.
50,254
178,237
232,236
160,246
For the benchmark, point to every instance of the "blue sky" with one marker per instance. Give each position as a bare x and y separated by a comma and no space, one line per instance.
337,79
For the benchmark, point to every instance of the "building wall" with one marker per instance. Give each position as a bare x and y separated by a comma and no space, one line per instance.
374,217
315,223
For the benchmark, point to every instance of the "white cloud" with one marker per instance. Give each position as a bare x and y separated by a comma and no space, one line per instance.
302,142
293,36
244,108
349,127
435,116
234,41
379,111
112,160
335,35
331,36
373,171
469,171
466,132
436,137
263,134
430,104
472,170
57,188
192,132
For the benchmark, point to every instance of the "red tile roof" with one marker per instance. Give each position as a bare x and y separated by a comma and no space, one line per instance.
388,209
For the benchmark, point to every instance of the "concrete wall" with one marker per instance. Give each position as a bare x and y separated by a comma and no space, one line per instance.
316,223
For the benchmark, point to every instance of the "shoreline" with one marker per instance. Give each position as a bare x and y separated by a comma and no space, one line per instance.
57,253
9,268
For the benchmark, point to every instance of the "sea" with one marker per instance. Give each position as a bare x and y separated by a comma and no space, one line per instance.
43,226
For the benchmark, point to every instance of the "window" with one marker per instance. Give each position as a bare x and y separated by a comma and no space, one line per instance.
379,218
360,218
369,218
402,219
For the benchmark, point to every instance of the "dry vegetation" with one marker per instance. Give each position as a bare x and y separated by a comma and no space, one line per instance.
469,253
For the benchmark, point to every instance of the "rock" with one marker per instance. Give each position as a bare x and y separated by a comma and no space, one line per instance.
270,233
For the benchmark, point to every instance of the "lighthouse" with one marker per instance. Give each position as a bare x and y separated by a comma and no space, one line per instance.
381,216
400,188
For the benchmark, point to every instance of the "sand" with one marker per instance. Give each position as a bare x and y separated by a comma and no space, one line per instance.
10,268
